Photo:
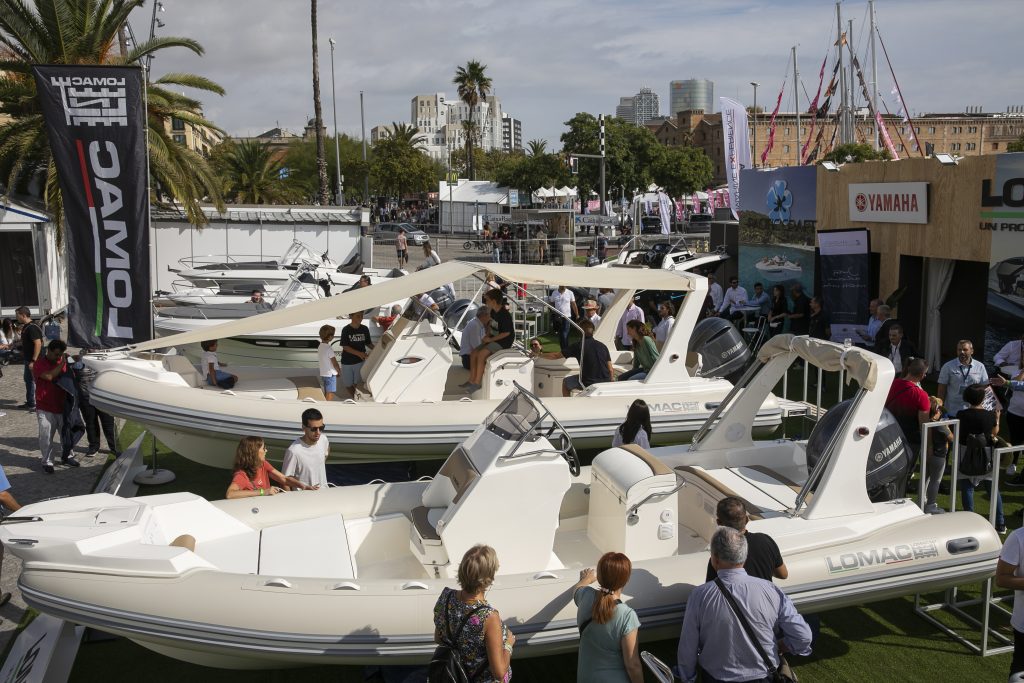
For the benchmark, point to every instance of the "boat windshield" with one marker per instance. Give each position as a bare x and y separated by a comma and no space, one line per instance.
515,418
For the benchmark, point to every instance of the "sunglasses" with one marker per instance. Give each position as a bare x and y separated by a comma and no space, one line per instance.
315,429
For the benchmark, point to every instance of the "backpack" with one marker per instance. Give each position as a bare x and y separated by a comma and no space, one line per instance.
446,664
976,458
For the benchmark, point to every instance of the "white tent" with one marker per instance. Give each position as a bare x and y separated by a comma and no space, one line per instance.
461,205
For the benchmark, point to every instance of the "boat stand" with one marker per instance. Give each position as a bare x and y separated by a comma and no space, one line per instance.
154,476
952,604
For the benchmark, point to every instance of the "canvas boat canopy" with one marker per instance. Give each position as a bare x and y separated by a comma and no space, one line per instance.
396,289
858,363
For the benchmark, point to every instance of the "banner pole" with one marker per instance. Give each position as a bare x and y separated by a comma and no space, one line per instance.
150,286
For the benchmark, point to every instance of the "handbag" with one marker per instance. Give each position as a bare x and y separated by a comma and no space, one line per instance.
782,674
446,664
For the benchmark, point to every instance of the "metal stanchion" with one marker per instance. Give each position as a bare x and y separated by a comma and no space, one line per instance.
154,476
951,604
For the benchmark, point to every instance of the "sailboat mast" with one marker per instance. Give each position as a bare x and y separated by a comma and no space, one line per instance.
841,114
852,82
796,104
874,73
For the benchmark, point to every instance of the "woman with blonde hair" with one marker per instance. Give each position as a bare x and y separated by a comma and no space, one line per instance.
608,629
253,474
464,620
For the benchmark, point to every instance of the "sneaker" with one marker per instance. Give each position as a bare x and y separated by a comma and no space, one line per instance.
1015,482
70,461
92,451
470,388
1011,470
28,406
48,469
934,509
465,384
1001,529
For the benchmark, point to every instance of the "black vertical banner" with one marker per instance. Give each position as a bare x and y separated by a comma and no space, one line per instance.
844,271
96,125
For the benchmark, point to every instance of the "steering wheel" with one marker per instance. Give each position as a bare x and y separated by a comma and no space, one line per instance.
569,453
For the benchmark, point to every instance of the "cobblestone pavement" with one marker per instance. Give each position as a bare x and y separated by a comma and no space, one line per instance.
20,458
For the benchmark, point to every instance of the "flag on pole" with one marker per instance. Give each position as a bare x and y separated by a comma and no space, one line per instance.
885,136
771,127
737,146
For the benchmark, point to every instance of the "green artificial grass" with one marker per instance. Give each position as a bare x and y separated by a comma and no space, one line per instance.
878,641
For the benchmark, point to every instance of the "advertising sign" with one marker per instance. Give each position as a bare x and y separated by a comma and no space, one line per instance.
737,147
889,202
844,273
94,120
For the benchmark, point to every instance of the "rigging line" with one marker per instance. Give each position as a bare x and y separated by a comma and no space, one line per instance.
897,128
899,91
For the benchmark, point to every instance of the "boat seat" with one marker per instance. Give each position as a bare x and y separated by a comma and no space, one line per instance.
184,367
425,526
702,475
656,465
308,386
311,548
452,482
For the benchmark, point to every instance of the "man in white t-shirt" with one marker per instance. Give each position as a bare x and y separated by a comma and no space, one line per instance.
1010,574
306,458
564,302
329,369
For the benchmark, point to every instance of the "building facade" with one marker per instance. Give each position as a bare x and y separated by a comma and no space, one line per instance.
199,139
511,133
960,134
624,110
640,108
691,94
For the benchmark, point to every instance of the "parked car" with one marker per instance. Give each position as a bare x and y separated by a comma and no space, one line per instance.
390,231
699,222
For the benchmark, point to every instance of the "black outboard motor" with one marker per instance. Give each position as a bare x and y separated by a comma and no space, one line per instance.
456,310
888,465
354,266
724,353
442,296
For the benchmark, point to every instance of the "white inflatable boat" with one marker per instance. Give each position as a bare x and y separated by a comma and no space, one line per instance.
350,575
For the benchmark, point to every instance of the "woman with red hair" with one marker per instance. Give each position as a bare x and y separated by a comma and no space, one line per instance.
608,648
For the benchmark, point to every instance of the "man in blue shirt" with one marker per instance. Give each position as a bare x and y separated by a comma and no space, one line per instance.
958,374
713,636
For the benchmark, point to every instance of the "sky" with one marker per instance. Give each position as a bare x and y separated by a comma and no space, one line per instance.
550,59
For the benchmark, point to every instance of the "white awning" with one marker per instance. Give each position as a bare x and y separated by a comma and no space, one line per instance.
399,288
859,364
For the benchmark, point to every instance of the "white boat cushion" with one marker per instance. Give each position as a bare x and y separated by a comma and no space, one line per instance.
311,548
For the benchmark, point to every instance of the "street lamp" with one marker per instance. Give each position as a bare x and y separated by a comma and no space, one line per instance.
337,151
755,84
366,171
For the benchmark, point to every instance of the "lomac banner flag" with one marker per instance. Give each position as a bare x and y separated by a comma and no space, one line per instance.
95,120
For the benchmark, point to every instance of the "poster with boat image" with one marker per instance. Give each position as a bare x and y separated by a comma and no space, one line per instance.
1002,213
777,219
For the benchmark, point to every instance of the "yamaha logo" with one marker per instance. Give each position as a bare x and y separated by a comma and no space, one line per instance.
861,201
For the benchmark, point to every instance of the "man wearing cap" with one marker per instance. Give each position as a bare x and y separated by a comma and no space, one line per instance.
590,312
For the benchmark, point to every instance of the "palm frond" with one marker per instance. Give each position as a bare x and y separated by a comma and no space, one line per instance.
191,81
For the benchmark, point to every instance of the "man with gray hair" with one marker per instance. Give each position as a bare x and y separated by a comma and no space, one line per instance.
714,638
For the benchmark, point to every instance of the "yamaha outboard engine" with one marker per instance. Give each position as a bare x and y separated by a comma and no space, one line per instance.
442,296
456,310
888,465
724,352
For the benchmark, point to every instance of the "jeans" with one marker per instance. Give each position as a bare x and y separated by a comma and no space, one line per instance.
30,387
224,380
563,335
1018,652
967,498
49,427
635,373
95,420
936,468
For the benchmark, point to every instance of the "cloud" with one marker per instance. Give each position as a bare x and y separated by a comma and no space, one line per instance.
550,59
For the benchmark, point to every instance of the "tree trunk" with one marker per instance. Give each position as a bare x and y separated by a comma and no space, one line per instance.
324,194
471,171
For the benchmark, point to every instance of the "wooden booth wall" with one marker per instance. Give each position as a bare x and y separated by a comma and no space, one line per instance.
954,202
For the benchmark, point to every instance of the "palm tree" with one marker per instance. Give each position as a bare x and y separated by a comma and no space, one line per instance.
318,118
473,85
407,134
76,32
537,147
253,174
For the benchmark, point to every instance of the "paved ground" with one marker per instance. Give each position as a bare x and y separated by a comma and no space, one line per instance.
19,456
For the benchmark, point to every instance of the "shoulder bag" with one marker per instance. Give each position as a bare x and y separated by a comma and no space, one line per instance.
782,674
446,664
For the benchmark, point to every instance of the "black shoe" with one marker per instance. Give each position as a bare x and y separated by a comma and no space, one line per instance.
70,461
4,599
1015,482
48,469
28,406
92,451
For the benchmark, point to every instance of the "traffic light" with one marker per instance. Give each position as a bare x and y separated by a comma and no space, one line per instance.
574,165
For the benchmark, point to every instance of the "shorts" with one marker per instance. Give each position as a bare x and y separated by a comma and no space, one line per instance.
572,383
402,253
350,374
330,384
493,347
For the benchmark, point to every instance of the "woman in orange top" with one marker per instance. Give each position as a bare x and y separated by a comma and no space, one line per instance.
253,474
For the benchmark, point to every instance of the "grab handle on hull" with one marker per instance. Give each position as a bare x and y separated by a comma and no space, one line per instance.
956,546
544,575
279,583
346,586
419,585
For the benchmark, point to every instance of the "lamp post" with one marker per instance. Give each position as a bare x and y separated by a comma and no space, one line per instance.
755,84
362,127
337,150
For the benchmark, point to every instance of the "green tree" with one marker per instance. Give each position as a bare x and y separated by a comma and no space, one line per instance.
682,170
536,147
76,32
397,168
407,134
528,173
300,163
473,85
252,175
323,193
855,152
630,153
1016,146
